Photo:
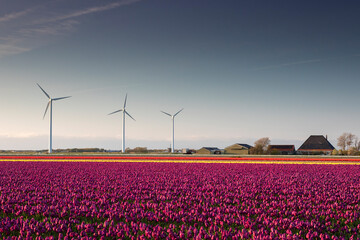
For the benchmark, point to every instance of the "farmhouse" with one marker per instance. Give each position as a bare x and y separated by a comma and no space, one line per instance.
209,150
316,144
282,149
238,148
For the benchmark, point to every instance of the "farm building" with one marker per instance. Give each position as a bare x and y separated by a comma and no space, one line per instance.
210,150
188,151
316,144
238,148
282,149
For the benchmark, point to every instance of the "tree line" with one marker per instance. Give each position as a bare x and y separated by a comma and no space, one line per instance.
348,143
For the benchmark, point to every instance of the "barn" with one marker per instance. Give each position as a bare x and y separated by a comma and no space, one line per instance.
238,148
316,144
282,149
209,150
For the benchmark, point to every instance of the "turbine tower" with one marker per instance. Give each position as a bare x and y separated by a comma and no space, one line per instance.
173,120
124,112
50,114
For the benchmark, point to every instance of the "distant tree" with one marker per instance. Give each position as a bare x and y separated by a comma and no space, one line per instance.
350,140
335,152
346,140
357,144
138,150
342,152
260,146
353,151
341,141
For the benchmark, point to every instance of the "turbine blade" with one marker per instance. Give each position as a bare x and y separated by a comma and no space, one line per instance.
44,91
129,115
47,106
55,99
115,111
125,101
178,112
166,113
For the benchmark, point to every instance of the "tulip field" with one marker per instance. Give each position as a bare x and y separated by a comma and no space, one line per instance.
175,200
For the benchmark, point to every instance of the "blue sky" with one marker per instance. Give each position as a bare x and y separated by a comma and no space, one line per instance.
240,69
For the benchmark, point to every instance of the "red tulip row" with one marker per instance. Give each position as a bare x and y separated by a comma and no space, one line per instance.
178,158
47,200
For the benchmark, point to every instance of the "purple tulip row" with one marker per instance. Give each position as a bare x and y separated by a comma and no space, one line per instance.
47,200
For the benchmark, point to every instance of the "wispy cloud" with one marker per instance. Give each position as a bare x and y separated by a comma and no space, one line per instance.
50,29
303,62
289,64
28,29
92,10
15,15
11,50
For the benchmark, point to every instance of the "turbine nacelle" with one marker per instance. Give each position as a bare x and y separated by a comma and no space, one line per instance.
123,110
172,133
50,99
172,116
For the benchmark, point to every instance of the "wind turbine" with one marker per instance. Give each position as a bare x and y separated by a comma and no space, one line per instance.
124,112
173,118
50,115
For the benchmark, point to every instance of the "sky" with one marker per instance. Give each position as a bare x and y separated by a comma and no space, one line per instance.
241,70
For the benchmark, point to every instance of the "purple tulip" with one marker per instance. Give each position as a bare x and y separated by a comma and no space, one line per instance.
178,201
